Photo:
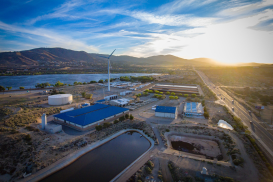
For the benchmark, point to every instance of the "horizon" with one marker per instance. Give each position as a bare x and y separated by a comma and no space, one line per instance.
228,32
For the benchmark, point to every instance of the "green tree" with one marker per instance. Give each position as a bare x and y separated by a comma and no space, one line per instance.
75,83
193,95
186,95
131,117
127,116
9,88
175,97
173,94
21,88
83,94
84,83
92,82
168,93
100,81
171,97
59,84
151,91
180,95
106,80
2,88
116,121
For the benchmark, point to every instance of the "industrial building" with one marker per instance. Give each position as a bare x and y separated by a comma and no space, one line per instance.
111,97
166,112
125,92
119,102
60,99
193,109
91,116
180,89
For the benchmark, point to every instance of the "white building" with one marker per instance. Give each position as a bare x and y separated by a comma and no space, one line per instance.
110,97
166,112
119,102
125,92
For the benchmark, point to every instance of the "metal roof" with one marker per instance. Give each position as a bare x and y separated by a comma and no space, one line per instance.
91,114
165,109
102,100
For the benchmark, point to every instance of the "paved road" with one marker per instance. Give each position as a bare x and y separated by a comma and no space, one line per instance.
259,132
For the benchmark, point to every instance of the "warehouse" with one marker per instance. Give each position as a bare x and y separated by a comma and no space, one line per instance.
179,89
193,109
166,112
89,117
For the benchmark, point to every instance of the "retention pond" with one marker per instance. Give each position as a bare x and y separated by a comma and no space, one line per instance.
104,162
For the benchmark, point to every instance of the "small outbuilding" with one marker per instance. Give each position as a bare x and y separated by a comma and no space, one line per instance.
166,112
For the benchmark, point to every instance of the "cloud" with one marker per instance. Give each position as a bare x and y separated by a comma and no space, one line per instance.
49,37
229,42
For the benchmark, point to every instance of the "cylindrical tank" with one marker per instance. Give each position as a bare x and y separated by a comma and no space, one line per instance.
60,99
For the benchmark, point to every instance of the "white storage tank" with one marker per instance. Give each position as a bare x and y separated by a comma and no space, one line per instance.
60,99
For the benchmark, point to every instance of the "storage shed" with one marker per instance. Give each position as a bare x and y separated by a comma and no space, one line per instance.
166,112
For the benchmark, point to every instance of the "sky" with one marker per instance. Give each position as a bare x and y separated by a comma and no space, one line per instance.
229,31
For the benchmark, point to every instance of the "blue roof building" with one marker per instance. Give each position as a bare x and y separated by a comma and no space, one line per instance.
91,115
166,111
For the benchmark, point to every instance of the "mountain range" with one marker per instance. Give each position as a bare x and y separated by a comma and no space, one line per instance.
55,56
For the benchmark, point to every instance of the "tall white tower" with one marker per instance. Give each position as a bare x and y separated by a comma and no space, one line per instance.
109,70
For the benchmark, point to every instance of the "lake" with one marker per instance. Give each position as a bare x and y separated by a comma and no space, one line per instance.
30,81
105,162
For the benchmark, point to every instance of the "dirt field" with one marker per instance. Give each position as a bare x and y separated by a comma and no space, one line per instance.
202,146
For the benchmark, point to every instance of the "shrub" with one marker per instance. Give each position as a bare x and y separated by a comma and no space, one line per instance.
98,128
203,103
193,95
156,91
148,170
171,97
168,93
173,93
180,95
116,121
28,137
88,96
122,118
83,94
150,164
186,95
127,116
106,125
151,91
21,88
175,97
206,115
100,81
92,82
131,117
167,130
161,92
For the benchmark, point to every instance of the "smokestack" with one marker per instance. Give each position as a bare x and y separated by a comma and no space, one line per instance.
44,121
